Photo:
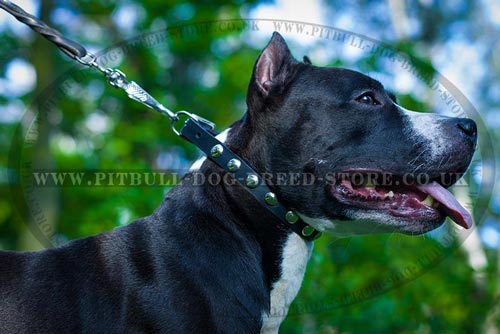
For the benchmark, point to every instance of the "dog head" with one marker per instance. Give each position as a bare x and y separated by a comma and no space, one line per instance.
341,152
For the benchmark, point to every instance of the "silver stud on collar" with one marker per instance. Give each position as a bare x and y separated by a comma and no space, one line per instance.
307,231
252,181
291,217
216,151
271,198
234,165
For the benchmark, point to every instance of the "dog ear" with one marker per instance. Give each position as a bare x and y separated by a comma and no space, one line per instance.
273,69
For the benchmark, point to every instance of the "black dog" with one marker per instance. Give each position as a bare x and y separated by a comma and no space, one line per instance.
211,259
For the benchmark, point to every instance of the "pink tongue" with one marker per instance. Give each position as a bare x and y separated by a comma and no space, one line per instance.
453,209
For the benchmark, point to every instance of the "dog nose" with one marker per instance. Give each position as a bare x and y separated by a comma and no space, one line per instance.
468,127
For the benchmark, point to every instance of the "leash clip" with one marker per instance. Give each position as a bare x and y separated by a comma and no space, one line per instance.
117,79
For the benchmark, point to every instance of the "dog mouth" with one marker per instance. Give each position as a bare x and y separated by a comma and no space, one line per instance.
400,197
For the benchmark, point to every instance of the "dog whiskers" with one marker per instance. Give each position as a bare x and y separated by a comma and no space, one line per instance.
414,160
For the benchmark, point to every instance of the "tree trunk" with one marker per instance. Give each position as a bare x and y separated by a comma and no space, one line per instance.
42,59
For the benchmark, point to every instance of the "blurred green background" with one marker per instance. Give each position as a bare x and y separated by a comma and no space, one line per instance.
198,56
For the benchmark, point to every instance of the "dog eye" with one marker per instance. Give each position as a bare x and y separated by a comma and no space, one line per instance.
368,98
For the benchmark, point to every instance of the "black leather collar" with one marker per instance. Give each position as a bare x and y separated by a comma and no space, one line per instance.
204,138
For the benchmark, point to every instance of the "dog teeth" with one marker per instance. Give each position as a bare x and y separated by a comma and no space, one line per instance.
429,201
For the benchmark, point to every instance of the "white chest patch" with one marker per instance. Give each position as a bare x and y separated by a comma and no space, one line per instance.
296,252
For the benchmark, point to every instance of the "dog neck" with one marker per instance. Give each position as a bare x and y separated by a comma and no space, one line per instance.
284,253
285,256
